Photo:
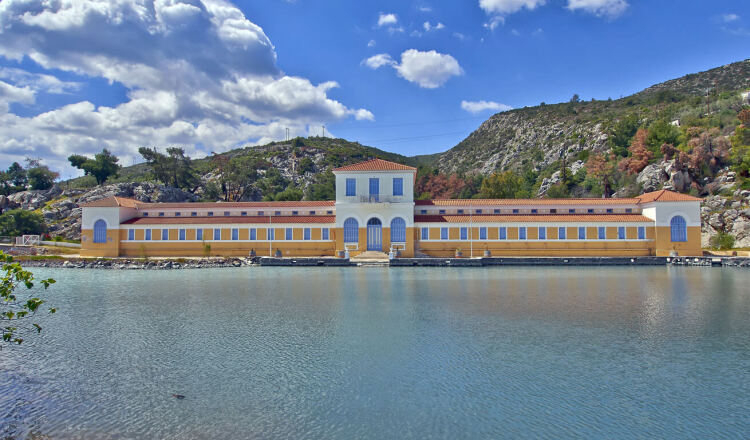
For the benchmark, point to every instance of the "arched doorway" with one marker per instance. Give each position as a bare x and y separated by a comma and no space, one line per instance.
374,235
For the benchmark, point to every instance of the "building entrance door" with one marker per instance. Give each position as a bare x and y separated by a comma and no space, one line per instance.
374,235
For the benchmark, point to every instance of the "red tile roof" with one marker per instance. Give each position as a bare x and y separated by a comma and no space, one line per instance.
521,202
230,220
667,196
112,202
250,205
532,218
376,165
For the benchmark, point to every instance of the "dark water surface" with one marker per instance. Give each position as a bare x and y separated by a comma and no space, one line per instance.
278,353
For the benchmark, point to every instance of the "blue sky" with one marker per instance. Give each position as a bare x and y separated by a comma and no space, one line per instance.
412,77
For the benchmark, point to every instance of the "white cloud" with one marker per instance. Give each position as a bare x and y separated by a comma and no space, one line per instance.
37,81
459,36
429,27
728,18
198,73
504,7
371,43
600,8
480,106
494,22
429,70
425,9
378,61
387,20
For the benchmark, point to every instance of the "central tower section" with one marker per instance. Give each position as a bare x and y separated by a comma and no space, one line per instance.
375,207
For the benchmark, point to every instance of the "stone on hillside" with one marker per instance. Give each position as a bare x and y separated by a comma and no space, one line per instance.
652,178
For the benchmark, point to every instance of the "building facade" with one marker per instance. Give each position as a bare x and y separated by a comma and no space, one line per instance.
375,211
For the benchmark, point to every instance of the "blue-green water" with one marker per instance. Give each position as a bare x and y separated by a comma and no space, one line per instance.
278,353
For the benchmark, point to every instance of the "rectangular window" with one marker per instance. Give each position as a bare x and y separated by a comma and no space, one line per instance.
271,234
210,213
226,213
602,233
277,213
515,211
306,234
177,214
522,233
165,234
161,214
217,234
131,234
193,214
628,210
496,211
261,213
442,211
295,212
542,233
374,188
460,211
502,233
329,212
182,234
553,211
253,234
571,211
590,211
199,234
325,234
478,211
288,234
145,214
312,213
621,232
483,233
235,234
425,233
534,211
148,234
443,233
561,232
581,233
610,210
464,233
351,187
641,233
243,213
398,186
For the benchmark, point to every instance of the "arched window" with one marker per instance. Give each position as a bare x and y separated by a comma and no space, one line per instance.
351,230
398,230
679,228
100,231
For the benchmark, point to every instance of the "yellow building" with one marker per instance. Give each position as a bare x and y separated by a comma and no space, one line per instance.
375,210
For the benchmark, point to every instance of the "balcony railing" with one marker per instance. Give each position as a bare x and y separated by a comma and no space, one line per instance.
380,199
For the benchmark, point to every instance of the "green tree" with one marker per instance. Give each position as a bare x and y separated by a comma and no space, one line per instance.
174,168
103,166
17,175
40,176
305,165
323,188
559,191
740,154
17,309
503,185
662,132
21,222
622,133
271,184
291,193
722,241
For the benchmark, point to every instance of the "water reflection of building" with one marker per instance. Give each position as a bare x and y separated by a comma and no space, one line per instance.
375,210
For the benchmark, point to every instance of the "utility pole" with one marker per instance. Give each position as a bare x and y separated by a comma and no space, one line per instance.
324,130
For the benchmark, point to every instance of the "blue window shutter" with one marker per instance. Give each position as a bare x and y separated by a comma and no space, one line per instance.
324,234
217,234
288,234
235,234
602,233
641,233
425,233
502,233
483,233
398,230
374,186
199,234
306,234
351,187
542,233
253,234
100,231
165,234
398,186
621,232
351,231
131,234
182,234
561,232
443,233
148,234
678,228
581,232
522,233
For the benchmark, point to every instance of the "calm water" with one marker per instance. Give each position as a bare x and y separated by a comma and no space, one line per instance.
386,353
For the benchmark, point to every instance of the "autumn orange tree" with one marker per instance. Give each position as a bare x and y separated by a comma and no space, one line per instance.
603,167
640,154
